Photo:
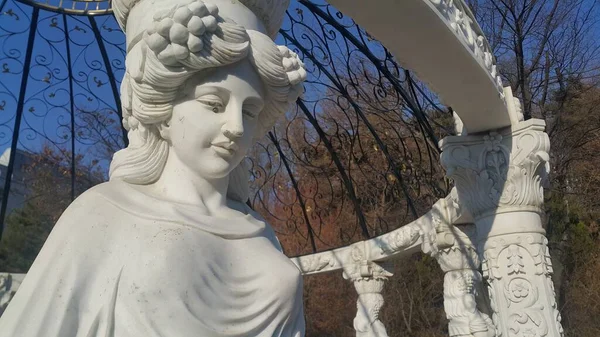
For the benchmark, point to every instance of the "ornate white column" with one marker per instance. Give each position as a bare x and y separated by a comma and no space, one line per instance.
369,279
464,299
498,177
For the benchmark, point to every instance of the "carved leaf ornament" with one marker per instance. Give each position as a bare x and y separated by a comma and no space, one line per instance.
464,25
500,172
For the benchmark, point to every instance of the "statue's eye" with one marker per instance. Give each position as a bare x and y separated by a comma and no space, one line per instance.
213,102
249,113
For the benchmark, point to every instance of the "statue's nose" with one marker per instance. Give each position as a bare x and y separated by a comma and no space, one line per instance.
233,128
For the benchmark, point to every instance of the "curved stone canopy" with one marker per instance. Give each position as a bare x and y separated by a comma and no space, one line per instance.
442,43
76,64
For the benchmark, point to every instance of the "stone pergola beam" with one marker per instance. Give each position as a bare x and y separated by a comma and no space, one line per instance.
440,41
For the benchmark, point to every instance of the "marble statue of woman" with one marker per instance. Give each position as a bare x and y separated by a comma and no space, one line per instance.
167,247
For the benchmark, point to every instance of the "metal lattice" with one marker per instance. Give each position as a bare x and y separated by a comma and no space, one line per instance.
356,157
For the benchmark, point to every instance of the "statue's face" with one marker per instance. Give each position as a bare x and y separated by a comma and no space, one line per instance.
213,125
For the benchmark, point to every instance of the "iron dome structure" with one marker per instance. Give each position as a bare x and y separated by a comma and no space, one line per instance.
355,158
350,178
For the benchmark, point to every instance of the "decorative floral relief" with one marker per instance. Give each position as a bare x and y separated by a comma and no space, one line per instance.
399,239
518,290
528,323
515,260
517,270
499,171
314,263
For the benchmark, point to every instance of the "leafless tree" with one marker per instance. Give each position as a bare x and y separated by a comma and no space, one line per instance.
541,43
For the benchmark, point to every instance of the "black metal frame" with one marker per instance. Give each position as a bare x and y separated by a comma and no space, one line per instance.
338,54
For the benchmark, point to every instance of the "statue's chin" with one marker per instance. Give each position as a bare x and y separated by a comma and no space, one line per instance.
209,163
217,169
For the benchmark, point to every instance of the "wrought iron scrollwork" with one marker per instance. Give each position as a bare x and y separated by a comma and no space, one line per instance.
361,142
356,157
60,98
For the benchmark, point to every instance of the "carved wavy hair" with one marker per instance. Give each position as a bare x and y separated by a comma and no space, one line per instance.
153,82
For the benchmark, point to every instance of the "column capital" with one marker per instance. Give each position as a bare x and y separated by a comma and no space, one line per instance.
499,171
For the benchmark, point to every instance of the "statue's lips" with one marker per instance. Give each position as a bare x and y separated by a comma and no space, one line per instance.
225,148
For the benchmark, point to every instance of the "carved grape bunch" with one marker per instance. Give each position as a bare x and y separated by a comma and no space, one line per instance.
295,71
178,31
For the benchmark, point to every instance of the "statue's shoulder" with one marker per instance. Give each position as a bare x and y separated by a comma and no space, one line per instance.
97,198
88,213
100,191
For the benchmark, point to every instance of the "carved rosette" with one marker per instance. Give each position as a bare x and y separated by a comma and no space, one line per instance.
518,271
500,171
498,177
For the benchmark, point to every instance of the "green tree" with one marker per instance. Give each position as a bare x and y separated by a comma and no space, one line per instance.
26,231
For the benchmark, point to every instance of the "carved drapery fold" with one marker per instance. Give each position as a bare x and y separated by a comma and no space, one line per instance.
498,178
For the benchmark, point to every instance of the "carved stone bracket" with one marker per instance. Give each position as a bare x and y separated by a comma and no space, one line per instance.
498,177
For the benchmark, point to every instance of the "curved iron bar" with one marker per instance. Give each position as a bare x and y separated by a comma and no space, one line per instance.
414,95
111,76
376,62
73,10
340,167
341,147
2,5
71,103
360,113
18,118
296,188
361,45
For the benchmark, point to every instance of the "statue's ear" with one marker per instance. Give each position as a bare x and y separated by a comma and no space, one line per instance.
165,131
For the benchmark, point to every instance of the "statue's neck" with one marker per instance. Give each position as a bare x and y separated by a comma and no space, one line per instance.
180,184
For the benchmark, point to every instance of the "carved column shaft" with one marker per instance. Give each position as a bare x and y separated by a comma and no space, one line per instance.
464,301
369,279
498,178
369,303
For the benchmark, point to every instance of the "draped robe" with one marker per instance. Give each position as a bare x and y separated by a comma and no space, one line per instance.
121,263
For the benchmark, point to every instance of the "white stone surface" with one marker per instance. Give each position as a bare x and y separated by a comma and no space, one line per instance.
440,41
423,234
369,279
9,283
465,300
498,177
167,247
